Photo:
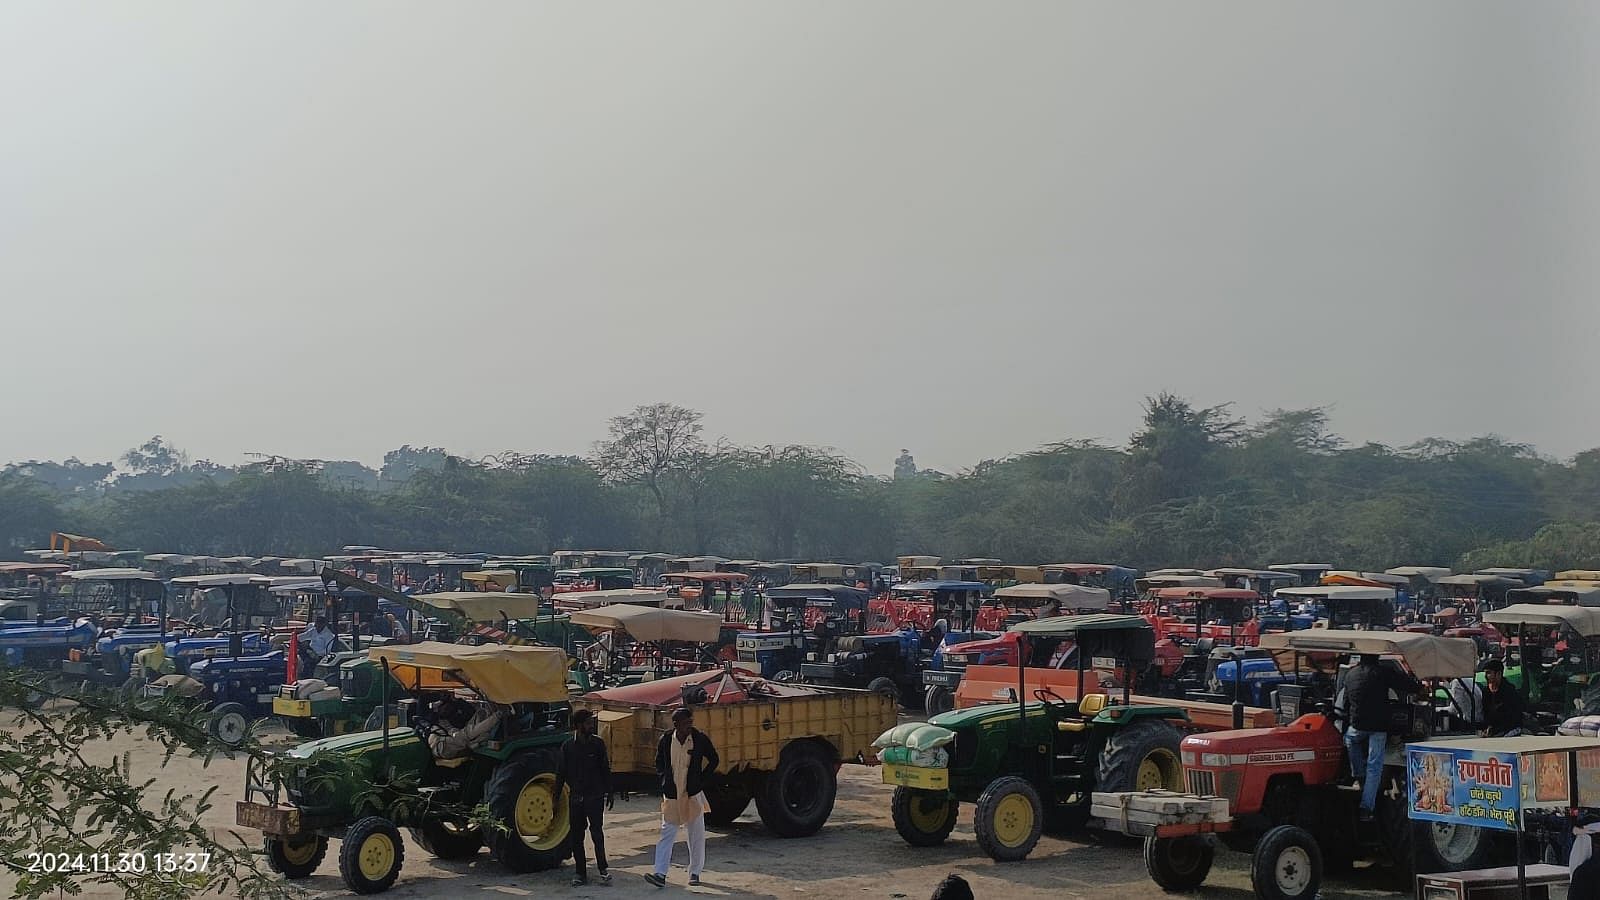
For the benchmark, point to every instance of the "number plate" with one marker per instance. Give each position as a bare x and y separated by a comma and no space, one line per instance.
941,679
917,777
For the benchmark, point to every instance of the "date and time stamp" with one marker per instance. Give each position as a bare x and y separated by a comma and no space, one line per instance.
114,863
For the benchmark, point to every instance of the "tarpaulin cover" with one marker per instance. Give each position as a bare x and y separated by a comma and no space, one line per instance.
503,674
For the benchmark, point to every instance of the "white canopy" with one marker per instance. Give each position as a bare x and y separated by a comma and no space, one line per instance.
111,575
588,599
650,623
1432,573
215,580
1425,655
1584,620
1066,596
1335,593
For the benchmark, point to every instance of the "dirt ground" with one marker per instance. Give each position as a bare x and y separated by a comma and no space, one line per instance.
857,854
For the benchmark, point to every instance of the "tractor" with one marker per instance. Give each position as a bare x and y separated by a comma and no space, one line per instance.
361,788
1035,760
1291,803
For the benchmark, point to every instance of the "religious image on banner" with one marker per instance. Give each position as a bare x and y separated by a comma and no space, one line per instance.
1550,778
1433,776
1589,778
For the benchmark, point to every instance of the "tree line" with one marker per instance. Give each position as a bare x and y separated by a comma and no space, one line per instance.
1194,486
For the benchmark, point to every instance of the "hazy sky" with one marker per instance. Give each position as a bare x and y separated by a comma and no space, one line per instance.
326,229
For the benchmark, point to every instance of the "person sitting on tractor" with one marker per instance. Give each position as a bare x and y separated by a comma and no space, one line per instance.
1502,703
461,726
1366,703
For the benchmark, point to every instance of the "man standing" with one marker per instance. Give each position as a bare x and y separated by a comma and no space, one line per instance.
1366,700
585,767
1502,702
684,759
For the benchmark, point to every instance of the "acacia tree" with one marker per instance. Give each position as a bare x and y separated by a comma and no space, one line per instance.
648,447
110,828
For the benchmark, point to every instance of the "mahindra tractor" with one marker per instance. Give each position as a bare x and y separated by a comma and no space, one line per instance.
1291,801
1037,759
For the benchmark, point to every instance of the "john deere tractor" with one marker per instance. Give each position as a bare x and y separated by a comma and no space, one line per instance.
361,788
1036,759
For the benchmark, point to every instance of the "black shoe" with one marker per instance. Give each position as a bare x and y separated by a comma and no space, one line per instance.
1367,816
579,881
605,877
694,881
657,880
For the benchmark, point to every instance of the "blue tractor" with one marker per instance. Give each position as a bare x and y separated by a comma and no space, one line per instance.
779,652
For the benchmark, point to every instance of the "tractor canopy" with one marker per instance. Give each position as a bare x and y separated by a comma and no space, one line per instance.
792,596
1582,620
1428,657
485,606
1127,639
1065,596
652,623
501,673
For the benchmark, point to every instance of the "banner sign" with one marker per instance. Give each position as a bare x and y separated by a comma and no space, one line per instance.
1466,787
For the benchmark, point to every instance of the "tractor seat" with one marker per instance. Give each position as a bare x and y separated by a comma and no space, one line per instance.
452,763
1090,705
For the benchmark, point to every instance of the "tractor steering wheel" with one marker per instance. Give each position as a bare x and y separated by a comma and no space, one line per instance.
1051,698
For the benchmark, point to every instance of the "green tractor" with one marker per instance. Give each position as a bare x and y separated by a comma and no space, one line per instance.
347,695
361,788
1028,764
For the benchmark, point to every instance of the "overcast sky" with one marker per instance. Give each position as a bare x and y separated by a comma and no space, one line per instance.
327,229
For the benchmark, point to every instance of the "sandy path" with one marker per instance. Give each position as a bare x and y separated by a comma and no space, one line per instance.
858,854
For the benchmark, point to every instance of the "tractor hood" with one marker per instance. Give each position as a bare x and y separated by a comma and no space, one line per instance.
1004,641
355,743
1307,734
979,716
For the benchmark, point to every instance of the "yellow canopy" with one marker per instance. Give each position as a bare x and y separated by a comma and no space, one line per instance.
652,623
589,599
485,606
501,578
503,674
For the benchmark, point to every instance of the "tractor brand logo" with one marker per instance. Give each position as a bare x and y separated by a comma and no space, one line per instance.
1282,756
1491,771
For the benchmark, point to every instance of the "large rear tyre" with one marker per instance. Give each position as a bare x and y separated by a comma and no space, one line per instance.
885,685
1141,756
938,700
1286,865
1180,863
448,838
295,859
522,795
1009,819
797,797
727,802
370,855
924,818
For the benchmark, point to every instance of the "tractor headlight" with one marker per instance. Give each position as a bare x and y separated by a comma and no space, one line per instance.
1214,760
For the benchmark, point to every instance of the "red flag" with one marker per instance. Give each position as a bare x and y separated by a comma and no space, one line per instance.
292,665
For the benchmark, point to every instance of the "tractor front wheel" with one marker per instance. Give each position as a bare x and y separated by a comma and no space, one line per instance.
370,855
295,859
1286,865
522,795
938,699
1178,863
924,818
228,724
1009,819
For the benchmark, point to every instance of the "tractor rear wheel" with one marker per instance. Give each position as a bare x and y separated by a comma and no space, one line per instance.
448,838
884,685
1178,863
370,855
1009,819
521,794
1141,756
295,859
938,700
727,802
1442,847
924,818
1286,865
797,797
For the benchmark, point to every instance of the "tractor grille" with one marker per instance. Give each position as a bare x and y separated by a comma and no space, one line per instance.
963,751
1214,784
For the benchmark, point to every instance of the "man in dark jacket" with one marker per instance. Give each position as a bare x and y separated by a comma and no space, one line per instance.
1502,702
685,758
1366,703
585,767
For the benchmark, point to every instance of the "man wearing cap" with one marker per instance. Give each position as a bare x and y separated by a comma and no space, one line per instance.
684,759
585,767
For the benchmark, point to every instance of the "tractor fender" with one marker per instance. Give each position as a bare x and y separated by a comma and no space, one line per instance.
1127,715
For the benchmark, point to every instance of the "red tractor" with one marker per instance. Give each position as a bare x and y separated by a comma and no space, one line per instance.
1290,797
